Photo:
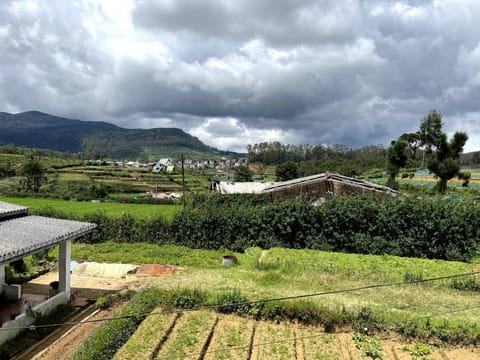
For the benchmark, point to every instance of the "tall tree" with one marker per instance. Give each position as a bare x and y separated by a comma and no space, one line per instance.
431,131
286,171
242,173
33,173
396,159
445,161
414,141
442,155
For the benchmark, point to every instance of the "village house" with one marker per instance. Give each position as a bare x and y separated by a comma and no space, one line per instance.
162,165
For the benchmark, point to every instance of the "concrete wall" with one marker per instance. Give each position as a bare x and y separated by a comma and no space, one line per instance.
26,319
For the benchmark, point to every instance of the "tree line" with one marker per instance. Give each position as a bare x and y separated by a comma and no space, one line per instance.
274,153
428,147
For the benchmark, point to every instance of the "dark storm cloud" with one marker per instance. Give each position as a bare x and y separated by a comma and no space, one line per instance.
279,22
236,72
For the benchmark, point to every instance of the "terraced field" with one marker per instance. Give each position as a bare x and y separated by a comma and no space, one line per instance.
209,335
425,178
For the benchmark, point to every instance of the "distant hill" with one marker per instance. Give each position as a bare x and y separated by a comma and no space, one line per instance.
95,138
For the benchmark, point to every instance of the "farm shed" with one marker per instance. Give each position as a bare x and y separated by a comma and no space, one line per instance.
314,188
318,187
22,235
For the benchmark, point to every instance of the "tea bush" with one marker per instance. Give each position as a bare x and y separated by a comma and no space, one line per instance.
401,226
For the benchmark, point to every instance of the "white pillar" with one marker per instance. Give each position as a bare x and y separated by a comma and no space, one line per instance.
2,277
64,268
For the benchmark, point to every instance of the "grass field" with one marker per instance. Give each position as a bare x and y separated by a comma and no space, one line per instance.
82,208
16,160
425,178
335,283
285,272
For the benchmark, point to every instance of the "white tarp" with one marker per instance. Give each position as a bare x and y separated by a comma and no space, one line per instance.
242,187
94,269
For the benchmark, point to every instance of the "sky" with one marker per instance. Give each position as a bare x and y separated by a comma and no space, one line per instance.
239,72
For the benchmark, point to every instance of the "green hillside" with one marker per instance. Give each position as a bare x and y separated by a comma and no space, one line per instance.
95,139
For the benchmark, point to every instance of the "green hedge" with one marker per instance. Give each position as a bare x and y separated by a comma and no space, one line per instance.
403,226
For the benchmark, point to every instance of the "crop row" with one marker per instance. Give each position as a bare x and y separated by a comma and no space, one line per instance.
208,335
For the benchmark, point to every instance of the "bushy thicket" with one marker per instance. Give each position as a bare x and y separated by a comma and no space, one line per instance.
425,228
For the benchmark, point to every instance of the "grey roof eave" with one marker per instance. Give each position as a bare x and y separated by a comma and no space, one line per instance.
27,235
8,210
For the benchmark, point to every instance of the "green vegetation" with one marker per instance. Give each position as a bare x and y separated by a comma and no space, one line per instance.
242,173
141,253
103,343
276,347
315,159
143,343
396,159
286,171
420,351
401,226
367,224
442,155
371,346
33,173
27,268
427,310
80,210
231,332
96,139
191,333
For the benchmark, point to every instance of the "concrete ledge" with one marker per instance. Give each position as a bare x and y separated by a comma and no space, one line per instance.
11,329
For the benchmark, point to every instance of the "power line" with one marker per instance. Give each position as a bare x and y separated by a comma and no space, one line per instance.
253,302
454,311
285,340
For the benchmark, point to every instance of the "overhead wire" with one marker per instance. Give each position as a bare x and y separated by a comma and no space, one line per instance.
285,340
253,302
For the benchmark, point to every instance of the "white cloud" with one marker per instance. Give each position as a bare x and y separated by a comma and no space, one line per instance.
236,72
231,134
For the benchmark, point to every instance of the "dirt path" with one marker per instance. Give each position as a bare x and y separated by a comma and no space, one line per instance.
262,256
70,341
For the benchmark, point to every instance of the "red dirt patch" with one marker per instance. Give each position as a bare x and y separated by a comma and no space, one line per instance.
154,270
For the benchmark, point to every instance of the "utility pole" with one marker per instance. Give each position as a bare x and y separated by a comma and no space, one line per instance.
183,181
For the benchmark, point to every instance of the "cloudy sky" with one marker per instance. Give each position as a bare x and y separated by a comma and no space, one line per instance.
238,72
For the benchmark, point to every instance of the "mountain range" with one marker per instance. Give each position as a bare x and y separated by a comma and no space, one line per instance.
99,139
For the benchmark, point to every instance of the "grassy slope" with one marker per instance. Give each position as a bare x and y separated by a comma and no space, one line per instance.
82,208
282,272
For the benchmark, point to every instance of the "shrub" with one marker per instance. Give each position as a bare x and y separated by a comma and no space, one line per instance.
402,226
